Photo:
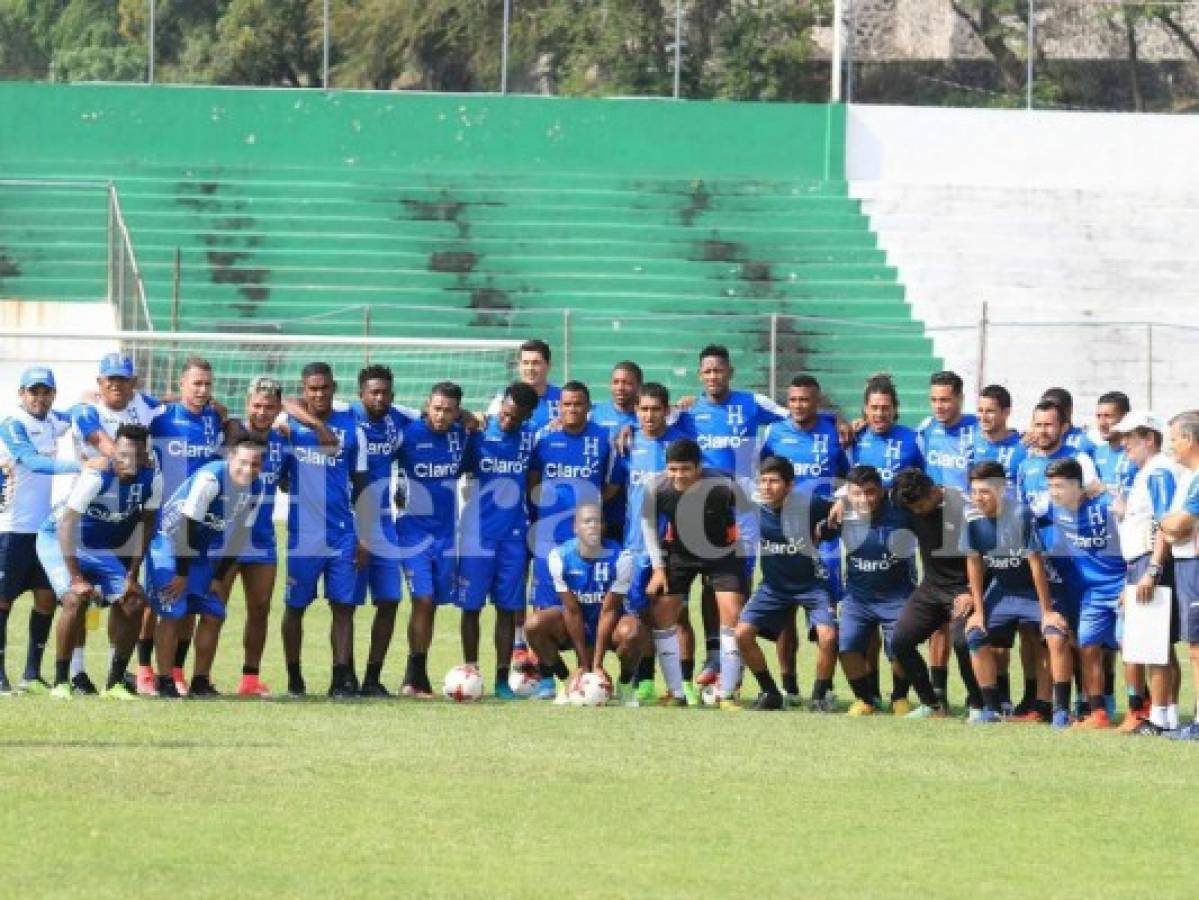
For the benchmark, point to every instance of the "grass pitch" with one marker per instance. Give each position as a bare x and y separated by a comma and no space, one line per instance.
250,798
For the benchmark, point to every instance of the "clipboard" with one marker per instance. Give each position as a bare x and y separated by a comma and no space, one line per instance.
1147,627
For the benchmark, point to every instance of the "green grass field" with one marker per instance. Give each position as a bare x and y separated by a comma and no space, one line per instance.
251,798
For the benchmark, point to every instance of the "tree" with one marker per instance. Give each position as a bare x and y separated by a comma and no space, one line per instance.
992,23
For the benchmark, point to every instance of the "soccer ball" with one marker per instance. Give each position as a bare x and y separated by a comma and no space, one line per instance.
463,684
709,695
592,690
523,683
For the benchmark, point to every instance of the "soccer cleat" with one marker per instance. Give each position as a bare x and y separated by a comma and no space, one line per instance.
1006,710
415,692
985,717
691,692
561,698
374,690
709,674
547,689
728,704
826,704
145,681
647,694
1132,721
672,700
180,679
118,692
861,708
1098,719
202,690
167,690
1109,705
974,715
297,688
768,700
1028,717
61,691
83,685
5,687
792,701
924,711
1188,732
34,687
1145,728
504,692
1061,719
626,695
252,686
524,660
901,706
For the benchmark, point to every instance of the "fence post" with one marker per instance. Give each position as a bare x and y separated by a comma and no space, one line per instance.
176,290
834,90
566,344
1030,52
981,371
366,332
150,39
774,353
325,46
111,261
1149,363
504,47
678,45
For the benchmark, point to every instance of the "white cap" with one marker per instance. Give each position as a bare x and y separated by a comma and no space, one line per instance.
1135,420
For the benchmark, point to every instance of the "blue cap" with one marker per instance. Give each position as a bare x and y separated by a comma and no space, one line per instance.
36,375
116,365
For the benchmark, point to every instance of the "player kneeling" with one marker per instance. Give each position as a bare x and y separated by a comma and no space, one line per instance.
793,576
210,515
589,574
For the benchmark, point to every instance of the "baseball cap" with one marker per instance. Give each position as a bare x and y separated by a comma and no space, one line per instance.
116,365
36,375
1135,420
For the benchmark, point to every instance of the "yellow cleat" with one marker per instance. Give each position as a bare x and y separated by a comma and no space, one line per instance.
861,708
901,707
729,705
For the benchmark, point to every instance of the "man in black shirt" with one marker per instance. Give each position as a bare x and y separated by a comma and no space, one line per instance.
943,595
689,520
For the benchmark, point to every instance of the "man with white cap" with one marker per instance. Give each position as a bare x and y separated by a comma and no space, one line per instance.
1147,553
1179,528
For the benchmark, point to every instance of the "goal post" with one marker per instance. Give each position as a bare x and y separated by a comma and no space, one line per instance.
480,366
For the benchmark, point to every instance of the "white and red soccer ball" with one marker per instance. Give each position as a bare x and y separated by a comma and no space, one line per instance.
463,684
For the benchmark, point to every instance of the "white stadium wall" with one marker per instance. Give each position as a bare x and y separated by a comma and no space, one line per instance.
1077,230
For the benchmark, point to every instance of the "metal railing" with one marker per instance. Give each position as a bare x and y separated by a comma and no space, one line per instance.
126,287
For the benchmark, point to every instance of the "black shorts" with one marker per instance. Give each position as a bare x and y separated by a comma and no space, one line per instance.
20,568
725,574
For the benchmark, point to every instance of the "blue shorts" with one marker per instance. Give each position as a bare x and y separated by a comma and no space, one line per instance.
830,555
542,594
591,617
197,598
103,568
769,611
1186,589
495,570
1098,621
336,569
382,576
637,600
20,568
1005,613
429,564
860,618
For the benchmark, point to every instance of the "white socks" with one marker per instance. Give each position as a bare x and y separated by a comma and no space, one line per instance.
730,663
77,661
666,643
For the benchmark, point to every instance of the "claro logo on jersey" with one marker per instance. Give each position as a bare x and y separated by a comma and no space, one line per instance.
494,466
316,456
942,460
785,548
883,564
177,447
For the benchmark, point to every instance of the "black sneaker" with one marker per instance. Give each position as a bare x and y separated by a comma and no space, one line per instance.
297,688
83,685
130,682
5,688
374,690
344,689
768,701
1147,729
202,689
167,690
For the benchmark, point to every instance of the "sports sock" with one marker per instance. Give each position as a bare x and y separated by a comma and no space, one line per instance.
1172,716
39,634
626,673
200,683
1159,716
1096,703
181,649
876,683
688,666
714,647
164,684
77,661
645,671
416,675
1003,684
766,682
340,674
862,689
116,670
145,651
3,636
519,641
62,671
1109,676
899,687
666,645
790,683
1030,692
820,687
1135,702
990,698
374,671
295,676
730,663
940,682
249,670
1061,696
561,670
501,674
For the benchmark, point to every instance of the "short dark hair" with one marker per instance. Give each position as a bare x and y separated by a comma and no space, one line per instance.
245,439
881,384
1062,397
947,378
375,373
536,345
988,470
806,381
1046,405
131,432
522,395
720,351
577,387
627,365
316,368
860,476
778,465
196,362
1118,399
999,394
1067,467
447,389
655,391
911,486
684,450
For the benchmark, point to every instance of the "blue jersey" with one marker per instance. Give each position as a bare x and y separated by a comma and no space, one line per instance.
211,499
894,450
430,465
573,468
382,441
1078,440
1032,486
1004,545
948,450
92,418
1190,504
646,458
815,453
109,509
546,411
879,560
499,462
28,464
791,564
609,416
1114,468
183,442
1085,547
590,579
262,535
1008,452
727,430
320,513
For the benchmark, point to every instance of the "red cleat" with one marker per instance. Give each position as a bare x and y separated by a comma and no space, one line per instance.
146,683
252,686
180,680
1096,720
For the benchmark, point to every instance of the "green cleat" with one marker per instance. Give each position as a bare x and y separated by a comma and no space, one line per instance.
34,687
647,694
691,692
61,691
626,695
926,712
118,692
